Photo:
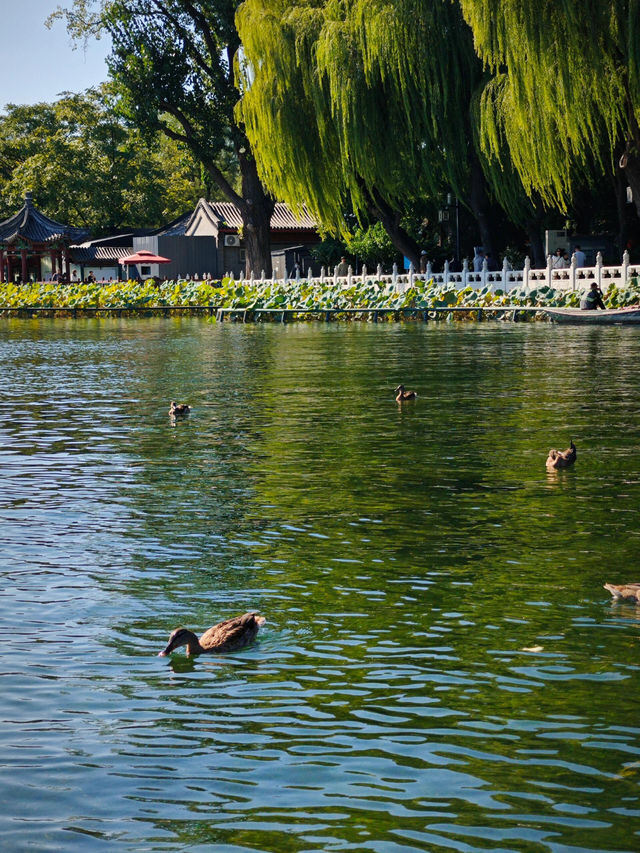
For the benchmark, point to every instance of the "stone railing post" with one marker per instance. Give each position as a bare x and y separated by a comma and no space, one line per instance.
574,267
412,273
505,275
465,273
394,276
549,273
349,276
429,270
625,267
599,269
485,272
525,274
323,272
364,274
446,272
379,272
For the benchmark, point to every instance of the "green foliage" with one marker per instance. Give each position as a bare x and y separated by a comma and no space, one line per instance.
87,166
173,62
566,89
372,246
303,296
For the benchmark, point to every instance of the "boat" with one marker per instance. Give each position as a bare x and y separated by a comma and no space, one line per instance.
582,317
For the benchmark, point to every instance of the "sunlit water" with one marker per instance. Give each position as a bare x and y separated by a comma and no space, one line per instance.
441,668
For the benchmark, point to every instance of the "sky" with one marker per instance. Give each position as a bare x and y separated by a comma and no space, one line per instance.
38,64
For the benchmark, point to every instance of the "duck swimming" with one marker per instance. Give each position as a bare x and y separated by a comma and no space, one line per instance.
177,410
227,636
626,592
561,458
404,395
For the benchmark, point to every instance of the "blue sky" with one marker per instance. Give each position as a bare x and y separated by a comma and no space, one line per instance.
37,63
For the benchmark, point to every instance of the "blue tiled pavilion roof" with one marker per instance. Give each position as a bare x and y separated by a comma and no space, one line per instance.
31,225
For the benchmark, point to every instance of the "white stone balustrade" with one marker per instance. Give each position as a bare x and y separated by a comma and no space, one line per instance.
572,278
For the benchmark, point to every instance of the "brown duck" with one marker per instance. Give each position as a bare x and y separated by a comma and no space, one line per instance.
227,636
404,395
178,410
561,458
626,591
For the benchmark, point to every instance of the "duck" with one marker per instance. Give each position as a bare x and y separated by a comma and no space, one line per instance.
404,395
561,458
227,636
177,410
626,592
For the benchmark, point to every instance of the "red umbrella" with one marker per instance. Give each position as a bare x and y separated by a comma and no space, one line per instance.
144,257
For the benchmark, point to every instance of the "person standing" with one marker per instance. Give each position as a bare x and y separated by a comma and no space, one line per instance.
557,262
478,258
343,267
581,258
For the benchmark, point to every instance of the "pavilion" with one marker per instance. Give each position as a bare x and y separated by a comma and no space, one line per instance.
29,236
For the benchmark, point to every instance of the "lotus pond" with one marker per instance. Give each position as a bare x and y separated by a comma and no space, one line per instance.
441,669
303,295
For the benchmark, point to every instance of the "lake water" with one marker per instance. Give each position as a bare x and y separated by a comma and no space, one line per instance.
441,669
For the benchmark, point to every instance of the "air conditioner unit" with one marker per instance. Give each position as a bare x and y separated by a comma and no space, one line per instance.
231,240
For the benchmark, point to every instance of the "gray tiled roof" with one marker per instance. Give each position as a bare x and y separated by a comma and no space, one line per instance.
226,216
95,254
31,225
282,217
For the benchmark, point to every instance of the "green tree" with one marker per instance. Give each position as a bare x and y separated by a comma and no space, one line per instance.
565,95
174,61
370,105
86,166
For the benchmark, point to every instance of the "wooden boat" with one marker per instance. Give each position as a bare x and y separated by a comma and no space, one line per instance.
609,317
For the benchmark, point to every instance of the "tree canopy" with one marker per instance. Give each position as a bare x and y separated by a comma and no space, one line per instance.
370,105
87,166
173,60
566,90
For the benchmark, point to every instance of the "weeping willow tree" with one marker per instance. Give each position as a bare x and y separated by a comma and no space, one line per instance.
368,105
565,95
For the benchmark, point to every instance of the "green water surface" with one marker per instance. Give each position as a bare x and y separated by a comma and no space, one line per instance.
441,668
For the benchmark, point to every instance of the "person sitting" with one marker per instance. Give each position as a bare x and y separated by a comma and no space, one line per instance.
592,300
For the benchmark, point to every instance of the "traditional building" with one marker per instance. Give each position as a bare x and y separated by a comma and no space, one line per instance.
34,246
209,240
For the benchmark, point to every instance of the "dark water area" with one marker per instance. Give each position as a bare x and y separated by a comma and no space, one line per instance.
441,668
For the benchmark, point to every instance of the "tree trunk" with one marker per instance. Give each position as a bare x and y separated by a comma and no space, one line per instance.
256,209
533,228
479,204
622,209
631,171
390,220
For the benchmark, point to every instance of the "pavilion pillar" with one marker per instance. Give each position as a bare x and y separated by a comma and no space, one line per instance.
67,264
23,256
53,262
1,265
